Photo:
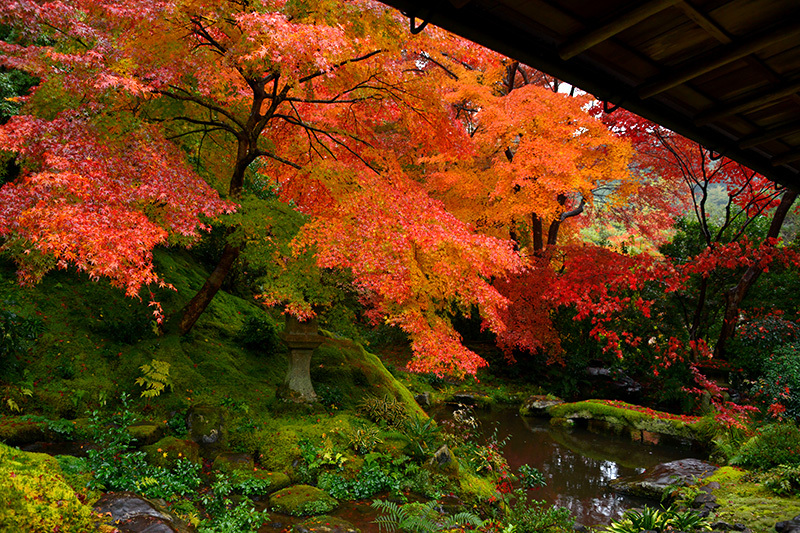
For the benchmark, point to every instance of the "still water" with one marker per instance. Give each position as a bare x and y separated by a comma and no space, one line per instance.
577,463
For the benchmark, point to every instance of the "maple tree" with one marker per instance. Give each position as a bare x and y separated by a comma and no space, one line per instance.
140,100
730,239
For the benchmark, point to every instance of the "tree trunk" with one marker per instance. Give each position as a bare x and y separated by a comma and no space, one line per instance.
192,310
735,295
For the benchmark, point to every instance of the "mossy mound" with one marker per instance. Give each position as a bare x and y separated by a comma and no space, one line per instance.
277,480
34,496
750,503
16,430
475,488
233,461
169,450
325,524
632,417
146,432
302,500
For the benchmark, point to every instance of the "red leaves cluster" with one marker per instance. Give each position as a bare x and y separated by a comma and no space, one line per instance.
97,201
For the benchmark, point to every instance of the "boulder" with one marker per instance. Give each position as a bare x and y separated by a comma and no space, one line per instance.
424,399
538,404
325,524
302,500
658,479
131,513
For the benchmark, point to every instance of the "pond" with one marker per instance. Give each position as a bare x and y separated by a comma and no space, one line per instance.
577,463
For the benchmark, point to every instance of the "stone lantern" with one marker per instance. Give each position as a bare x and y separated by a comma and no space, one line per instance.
301,338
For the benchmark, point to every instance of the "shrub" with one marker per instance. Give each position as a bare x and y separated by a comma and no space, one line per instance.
538,517
778,389
16,335
783,480
756,337
422,518
774,445
259,334
652,519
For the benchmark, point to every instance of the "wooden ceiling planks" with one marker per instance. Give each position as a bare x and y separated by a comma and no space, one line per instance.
723,72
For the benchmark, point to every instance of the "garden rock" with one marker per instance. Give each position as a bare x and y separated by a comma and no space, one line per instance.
444,459
302,500
325,524
206,427
132,513
424,399
655,481
538,404
789,526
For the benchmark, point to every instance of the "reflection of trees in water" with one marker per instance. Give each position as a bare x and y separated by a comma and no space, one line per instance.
576,464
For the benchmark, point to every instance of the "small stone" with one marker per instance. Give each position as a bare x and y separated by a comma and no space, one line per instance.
739,527
711,506
579,528
424,399
704,498
722,526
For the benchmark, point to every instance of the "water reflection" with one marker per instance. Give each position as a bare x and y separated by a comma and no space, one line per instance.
577,463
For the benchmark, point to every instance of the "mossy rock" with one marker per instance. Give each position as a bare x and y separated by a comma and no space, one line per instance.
206,425
169,450
302,500
325,524
34,497
146,432
475,488
17,432
278,480
231,461
620,415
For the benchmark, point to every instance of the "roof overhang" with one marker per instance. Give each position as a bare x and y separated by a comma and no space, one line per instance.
725,73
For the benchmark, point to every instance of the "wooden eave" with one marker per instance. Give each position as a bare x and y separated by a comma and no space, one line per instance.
725,73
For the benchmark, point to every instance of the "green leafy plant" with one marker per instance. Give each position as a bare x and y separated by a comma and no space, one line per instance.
783,480
530,477
778,387
155,378
421,518
653,519
259,334
534,516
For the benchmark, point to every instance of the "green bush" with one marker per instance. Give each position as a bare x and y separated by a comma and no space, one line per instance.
259,334
774,445
653,519
17,334
778,389
538,516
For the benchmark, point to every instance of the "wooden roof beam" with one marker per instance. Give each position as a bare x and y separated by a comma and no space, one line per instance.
785,158
768,135
727,54
582,42
751,102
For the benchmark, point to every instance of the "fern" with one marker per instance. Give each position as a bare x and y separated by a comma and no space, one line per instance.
420,518
155,378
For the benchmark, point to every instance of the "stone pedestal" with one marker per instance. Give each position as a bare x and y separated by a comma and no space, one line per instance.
301,338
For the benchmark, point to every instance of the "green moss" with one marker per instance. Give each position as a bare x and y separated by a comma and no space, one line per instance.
18,430
749,502
169,450
475,488
302,500
628,416
35,497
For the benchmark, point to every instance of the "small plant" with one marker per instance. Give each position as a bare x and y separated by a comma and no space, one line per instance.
530,477
386,410
423,434
534,516
421,518
363,440
653,519
155,378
